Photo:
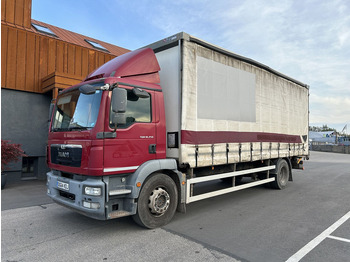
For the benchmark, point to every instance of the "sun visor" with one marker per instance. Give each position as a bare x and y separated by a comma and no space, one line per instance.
137,63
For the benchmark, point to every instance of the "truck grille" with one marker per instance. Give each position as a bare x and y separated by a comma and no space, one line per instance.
66,155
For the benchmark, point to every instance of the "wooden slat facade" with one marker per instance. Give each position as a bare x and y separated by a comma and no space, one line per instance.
28,56
59,80
41,65
16,12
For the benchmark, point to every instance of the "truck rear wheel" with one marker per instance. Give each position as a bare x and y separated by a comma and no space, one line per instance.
281,175
157,202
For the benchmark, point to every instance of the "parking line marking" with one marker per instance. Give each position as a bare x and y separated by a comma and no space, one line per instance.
317,240
340,239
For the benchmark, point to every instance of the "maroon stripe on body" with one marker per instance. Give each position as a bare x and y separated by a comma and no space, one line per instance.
216,137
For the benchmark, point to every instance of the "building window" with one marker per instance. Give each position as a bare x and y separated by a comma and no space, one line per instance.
29,168
96,45
28,165
43,29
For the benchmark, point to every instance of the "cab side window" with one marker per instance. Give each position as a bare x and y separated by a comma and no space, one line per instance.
138,110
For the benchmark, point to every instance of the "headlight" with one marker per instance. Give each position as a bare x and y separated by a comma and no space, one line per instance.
92,191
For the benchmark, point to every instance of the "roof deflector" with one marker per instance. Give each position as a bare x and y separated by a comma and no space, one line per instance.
135,63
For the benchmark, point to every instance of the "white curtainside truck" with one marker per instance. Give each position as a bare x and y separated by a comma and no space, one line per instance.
142,133
228,116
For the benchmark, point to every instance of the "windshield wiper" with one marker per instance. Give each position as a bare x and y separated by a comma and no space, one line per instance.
69,128
77,128
57,129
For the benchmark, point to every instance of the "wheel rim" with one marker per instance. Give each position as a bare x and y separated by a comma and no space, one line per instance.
284,175
159,201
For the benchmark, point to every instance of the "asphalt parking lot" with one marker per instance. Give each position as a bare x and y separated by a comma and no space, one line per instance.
308,221
261,224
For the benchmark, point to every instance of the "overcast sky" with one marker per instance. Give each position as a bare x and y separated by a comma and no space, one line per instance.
308,40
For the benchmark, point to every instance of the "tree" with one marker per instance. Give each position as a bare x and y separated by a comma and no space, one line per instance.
324,128
10,153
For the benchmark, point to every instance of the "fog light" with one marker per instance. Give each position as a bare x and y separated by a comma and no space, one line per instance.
48,191
93,191
91,205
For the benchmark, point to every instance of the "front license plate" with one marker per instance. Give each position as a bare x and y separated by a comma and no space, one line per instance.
62,185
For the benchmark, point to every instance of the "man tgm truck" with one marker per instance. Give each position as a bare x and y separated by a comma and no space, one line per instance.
142,133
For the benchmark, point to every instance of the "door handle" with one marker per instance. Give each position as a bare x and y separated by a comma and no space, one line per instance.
152,148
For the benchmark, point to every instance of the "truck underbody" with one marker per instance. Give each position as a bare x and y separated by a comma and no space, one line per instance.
119,196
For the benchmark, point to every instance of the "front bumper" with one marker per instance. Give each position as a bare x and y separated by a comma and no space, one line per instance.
73,195
115,199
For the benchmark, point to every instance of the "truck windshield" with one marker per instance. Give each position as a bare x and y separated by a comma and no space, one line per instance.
76,111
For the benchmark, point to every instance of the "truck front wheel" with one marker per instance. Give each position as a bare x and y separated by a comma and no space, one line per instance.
281,174
157,202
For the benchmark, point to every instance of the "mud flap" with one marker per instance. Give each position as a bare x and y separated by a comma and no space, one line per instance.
181,207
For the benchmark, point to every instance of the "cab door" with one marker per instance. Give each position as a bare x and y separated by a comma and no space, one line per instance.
135,141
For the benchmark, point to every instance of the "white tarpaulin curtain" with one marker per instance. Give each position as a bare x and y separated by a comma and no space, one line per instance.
221,93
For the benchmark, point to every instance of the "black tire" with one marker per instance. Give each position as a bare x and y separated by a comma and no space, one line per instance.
157,202
281,174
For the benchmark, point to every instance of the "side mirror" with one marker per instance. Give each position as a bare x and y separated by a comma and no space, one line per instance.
140,93
119,119
119,99
119,102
